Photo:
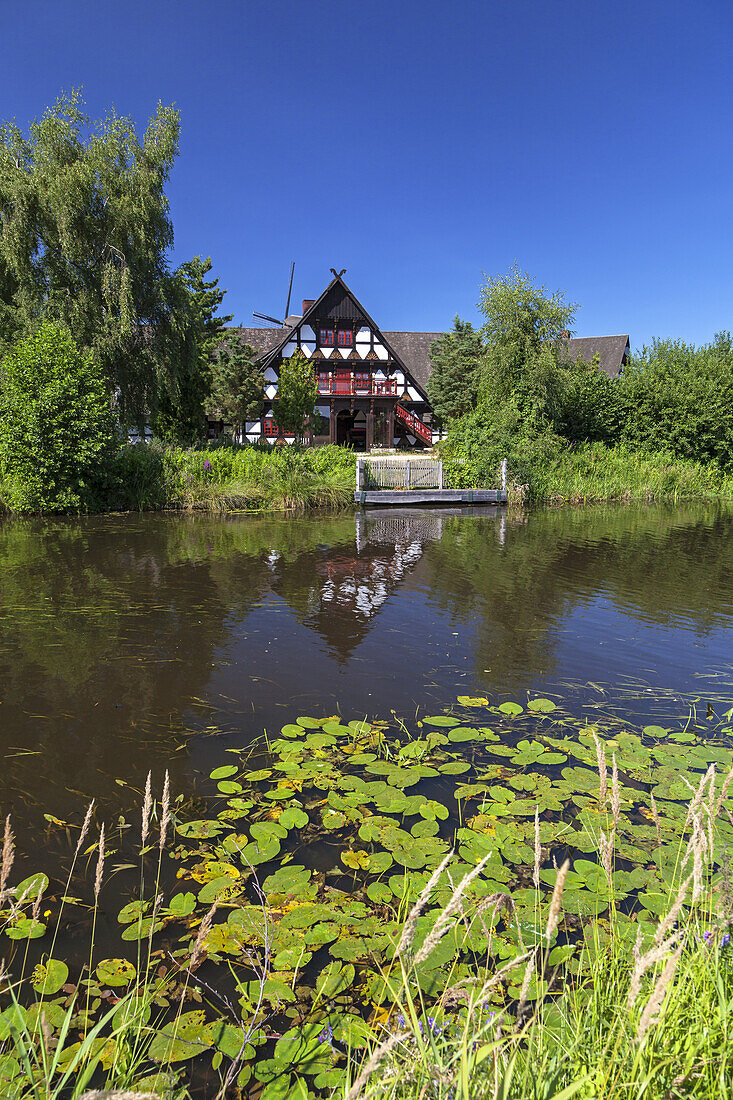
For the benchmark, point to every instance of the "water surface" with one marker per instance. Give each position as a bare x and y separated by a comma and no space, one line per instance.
136,642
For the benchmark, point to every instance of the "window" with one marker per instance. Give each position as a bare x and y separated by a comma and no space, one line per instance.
326,337
270,426
362,379
345,338
322,379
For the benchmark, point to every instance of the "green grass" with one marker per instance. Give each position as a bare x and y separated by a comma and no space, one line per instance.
589,1037
554,473
596,473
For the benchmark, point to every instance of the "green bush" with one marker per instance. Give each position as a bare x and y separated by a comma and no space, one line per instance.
56,425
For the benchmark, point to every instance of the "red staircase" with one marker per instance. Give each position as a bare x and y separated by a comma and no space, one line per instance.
414,425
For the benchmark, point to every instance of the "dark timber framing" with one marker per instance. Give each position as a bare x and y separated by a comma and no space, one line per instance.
356,388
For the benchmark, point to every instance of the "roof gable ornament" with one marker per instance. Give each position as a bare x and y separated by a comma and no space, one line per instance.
337,274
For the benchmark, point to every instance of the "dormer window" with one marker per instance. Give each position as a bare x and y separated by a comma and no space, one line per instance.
326,337
345,338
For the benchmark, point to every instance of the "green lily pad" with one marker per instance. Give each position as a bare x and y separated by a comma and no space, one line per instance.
182,1039
115,972
48,977
224,772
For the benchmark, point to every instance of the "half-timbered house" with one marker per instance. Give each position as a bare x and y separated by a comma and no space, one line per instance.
371,382
367,395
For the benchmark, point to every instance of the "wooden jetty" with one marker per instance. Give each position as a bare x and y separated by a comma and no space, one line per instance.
386,482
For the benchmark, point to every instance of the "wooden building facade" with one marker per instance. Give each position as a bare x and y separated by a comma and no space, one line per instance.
367,396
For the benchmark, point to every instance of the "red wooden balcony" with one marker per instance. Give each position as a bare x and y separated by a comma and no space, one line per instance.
359,384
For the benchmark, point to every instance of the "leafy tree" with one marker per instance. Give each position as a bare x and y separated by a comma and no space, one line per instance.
181,413
297,393
679,397
456,363
84,239
522,332
56,424
593,404
237,386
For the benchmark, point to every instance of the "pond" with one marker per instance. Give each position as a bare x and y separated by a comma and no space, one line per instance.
341,701
130,643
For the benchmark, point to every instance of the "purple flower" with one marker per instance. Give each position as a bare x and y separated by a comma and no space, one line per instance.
326,1035
207,464
708,937
725,940
401,1019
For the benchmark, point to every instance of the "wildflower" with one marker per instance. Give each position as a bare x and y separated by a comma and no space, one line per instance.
207,464
725,940
708,937
326,1035
401,1019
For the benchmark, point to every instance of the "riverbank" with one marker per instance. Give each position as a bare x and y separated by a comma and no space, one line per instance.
491,905
228,479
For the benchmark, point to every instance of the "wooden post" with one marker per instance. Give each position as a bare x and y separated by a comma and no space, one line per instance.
370,427
503,475
359,474
332,424
390,426
440,474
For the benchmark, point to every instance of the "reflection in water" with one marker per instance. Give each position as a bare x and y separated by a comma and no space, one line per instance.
135,642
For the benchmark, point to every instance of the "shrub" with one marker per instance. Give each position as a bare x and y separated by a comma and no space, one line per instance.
56,424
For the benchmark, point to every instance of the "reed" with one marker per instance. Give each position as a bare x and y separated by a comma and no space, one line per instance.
647,1019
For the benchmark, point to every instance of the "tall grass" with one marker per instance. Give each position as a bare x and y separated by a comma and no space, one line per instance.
53,1048
596,473
644,1012
556,473
234,478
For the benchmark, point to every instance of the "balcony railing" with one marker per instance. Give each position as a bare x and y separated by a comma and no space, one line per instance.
414,424
338,385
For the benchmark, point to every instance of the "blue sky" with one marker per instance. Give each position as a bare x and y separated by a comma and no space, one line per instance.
419,144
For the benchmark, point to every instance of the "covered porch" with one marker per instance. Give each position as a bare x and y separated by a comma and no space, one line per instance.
361,423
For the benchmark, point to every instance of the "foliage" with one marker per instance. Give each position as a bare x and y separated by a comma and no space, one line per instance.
207,299
679,398
297,394
180,415
237,384
84,237
456,365
394,934
522,332
56,425
594,405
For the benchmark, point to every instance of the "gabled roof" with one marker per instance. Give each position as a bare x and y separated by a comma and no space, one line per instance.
332,298
413,349
261,339
610,350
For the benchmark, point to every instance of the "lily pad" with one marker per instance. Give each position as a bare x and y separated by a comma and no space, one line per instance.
115,972
48,977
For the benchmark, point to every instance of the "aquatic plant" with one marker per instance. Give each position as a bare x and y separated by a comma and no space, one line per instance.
363,886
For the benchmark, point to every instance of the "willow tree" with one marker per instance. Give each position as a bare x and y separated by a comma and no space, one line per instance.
85,233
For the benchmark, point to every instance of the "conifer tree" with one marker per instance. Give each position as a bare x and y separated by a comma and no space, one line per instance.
237,386
456,364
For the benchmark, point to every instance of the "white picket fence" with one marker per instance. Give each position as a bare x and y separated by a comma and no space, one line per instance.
399,473
409,473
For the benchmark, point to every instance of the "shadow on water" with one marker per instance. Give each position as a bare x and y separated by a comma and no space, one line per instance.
131,643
